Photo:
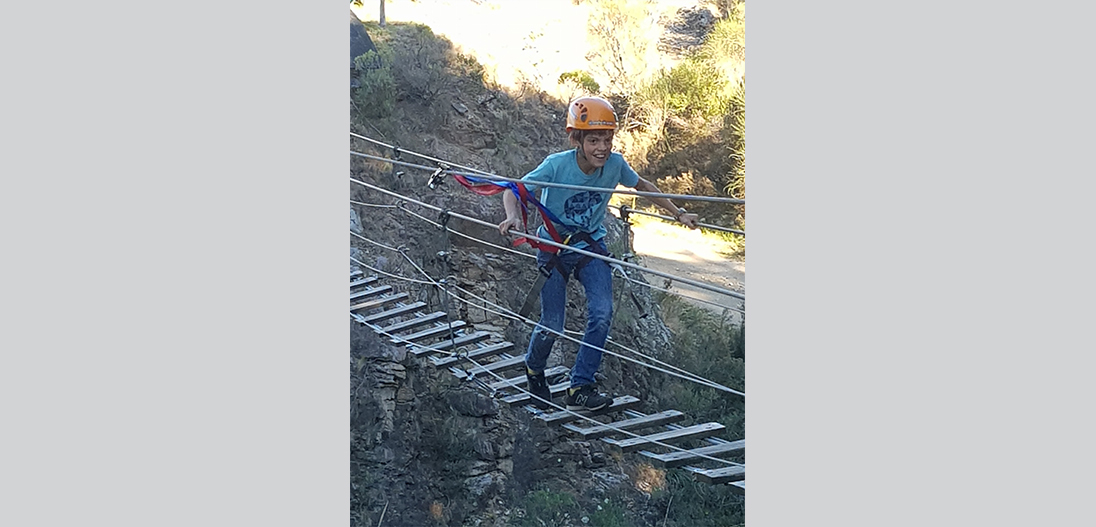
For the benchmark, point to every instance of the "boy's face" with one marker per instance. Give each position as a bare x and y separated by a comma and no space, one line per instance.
597,146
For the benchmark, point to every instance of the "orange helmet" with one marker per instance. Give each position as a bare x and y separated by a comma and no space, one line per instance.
590,113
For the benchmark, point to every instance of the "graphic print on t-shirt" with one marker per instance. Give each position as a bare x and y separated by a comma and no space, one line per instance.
578,208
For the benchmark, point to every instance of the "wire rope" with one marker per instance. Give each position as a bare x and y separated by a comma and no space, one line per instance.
684,197
562,408
561,245
632,210
686,375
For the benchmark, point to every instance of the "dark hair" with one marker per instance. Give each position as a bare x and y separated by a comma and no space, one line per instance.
578,135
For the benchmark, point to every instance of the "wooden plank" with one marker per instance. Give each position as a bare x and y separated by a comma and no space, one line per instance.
620,403
678,458
355,273
495,367
738,486
375,303
441,330
393,313
476,354
414,322
363,282
647,421
692,432
717,476
369,293
464,340
520,380
520,398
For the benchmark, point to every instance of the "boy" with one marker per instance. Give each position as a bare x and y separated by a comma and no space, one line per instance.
591,124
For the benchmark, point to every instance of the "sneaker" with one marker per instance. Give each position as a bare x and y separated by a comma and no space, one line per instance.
585,397
538,386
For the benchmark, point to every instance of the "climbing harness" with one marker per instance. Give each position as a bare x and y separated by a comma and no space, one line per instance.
486,187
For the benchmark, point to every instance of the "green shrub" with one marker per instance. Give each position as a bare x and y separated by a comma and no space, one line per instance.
609,514
734,135
693,89
422,59
709,345
727,40
376,95
545,508
701,504
580,80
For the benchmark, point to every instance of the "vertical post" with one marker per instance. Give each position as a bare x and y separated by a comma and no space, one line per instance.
382,13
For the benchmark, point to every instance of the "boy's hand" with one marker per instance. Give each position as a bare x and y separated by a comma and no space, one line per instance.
690,220
509,223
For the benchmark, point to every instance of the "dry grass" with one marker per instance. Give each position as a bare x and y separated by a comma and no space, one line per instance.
517,41
649,479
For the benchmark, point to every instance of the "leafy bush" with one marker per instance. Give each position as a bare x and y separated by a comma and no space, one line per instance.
734,134
422,58
727,40
376,93
610,514
692,118
692,89
697,504
545,508
580,82
708,345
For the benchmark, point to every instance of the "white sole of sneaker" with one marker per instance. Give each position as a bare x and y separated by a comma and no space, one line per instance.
574,408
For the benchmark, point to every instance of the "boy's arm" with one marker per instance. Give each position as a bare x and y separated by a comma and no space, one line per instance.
513,213
688,219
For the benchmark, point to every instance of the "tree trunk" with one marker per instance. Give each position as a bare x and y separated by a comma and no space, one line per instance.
382,13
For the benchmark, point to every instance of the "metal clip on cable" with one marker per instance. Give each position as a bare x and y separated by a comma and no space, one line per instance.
624,214
438,175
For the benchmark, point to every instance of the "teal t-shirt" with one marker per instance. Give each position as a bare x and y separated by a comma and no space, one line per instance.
579,209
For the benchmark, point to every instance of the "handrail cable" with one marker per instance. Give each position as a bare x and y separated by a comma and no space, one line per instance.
689,376
529,255
375,270
680,295
434,159
633,210
562,408
685,197
423,156
463,235
374,205
553,243
567,334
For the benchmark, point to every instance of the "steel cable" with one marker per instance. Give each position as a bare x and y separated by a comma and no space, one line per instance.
686,375
684,197
693,283
561,408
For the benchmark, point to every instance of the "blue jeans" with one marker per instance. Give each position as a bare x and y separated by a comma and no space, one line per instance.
597,279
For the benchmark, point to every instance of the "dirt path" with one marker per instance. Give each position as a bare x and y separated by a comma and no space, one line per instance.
688,254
